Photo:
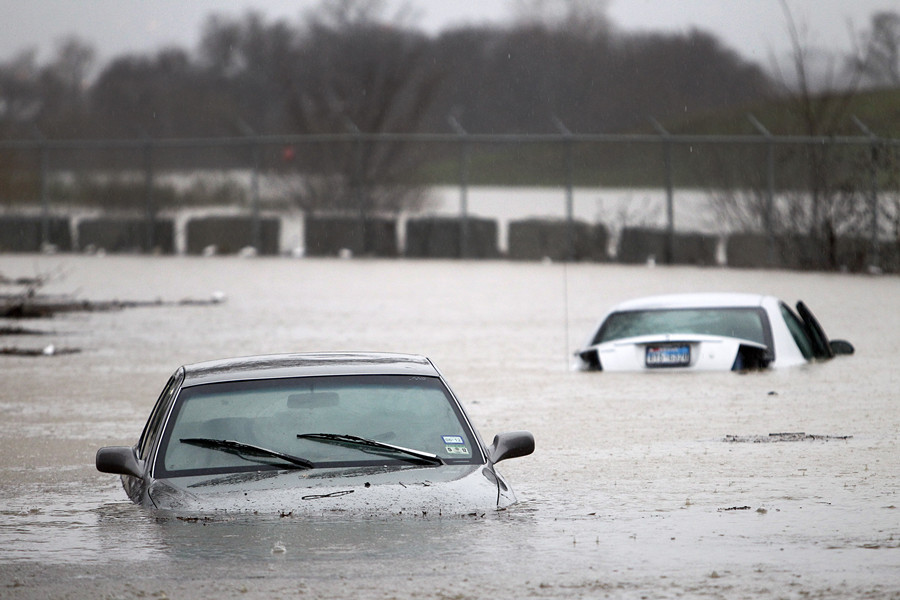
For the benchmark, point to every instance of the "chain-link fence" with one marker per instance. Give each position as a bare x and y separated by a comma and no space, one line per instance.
795,201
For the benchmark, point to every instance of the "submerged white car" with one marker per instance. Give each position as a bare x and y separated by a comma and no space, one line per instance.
706,332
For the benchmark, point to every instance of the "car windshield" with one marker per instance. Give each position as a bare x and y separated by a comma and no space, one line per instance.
744,323
296,417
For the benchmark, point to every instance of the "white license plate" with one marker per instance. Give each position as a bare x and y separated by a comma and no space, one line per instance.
669,355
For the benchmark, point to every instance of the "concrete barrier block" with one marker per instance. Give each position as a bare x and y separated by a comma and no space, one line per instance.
127,235
853,254
748,250
889,257
799,252
526,240
231,234
329,235
695,249
381,238
441,237
536,239
24,233
638,245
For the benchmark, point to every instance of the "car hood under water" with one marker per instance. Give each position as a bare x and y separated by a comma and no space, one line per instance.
380,490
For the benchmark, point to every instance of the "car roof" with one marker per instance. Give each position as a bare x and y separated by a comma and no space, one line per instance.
277,366
695,300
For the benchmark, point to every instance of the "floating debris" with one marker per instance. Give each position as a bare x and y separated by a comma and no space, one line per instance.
49,350
783,437
39,307
204,519
734,508
29,303
22,281
217,297
10,330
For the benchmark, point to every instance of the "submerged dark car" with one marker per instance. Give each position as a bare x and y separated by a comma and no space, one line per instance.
301,433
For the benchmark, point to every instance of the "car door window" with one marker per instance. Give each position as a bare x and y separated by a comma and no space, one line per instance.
156,417
820,346
798,331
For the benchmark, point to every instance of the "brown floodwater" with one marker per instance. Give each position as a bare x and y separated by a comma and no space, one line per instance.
641,485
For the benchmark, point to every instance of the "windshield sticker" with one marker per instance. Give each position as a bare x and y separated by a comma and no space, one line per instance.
457,450
453,439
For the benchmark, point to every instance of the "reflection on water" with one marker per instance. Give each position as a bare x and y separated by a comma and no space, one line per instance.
633,488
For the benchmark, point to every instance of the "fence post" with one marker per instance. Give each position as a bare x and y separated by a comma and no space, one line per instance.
358,178
670,200
44,188
464,160
768,221
873,258
149,208
255,235
570,203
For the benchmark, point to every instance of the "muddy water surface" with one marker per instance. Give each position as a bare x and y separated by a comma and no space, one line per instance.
635,490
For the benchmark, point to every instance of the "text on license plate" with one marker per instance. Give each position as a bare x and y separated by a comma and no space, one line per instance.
671,355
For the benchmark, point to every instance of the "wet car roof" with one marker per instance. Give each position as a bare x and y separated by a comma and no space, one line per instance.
275,366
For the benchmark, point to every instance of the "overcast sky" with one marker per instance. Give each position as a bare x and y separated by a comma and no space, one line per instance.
754,28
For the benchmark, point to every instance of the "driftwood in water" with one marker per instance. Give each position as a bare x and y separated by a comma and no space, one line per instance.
13,330
50,350
30,304
38,307
784,437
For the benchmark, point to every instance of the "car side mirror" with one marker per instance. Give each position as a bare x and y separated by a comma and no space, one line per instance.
119,460
511,444
842,347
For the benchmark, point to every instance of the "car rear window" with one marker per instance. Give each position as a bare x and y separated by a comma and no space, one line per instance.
743,323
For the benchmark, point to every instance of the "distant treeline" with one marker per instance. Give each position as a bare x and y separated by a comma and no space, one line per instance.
334,72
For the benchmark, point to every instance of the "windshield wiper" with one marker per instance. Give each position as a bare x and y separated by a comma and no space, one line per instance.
367,445
248,450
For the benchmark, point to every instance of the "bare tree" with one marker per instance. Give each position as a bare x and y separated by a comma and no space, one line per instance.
821,216
579,18
20,94
74,65
351,74
821,107
879,56
246,59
